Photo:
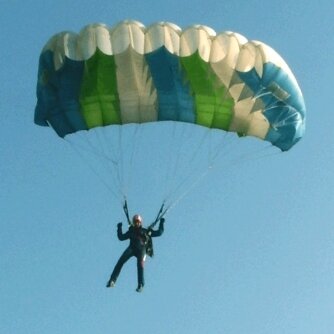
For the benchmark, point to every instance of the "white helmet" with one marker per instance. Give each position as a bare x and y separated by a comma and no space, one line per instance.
137,219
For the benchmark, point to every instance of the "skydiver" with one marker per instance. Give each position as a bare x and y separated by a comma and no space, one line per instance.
140,245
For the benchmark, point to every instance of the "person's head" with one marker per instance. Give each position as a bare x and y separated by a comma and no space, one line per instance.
137,220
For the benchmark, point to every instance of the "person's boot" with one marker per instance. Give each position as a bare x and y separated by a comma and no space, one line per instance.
110,284
140,288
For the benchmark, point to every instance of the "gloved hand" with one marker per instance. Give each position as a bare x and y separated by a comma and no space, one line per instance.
119,225
162,220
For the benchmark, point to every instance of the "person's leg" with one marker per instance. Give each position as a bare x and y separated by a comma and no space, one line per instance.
140,269
118,267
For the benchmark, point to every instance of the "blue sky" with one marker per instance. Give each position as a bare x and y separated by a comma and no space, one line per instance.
247,252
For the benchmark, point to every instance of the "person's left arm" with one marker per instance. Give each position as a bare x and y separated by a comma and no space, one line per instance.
159,231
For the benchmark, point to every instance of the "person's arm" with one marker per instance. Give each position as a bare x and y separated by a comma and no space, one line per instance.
121,236
160,230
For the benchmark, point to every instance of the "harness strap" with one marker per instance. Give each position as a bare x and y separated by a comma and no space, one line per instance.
126,211
160,214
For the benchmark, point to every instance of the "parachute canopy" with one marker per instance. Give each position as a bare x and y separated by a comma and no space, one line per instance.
130,73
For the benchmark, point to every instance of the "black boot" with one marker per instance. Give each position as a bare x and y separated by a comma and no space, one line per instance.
140,288
110,284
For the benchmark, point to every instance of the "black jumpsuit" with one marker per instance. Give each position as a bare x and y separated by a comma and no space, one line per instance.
138,241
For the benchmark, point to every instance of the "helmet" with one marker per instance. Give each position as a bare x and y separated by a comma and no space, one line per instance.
137,219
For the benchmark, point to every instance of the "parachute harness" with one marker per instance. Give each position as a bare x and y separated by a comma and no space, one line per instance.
160,215
148,239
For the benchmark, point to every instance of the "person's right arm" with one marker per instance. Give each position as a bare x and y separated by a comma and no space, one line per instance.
122,236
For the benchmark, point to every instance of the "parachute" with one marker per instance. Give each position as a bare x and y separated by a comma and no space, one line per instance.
129,74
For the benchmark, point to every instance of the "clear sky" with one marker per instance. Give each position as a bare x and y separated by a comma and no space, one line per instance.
247,251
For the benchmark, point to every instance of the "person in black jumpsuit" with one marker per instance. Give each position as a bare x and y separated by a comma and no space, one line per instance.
140,245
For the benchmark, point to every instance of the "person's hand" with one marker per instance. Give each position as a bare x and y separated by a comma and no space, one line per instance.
119,225
162,220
